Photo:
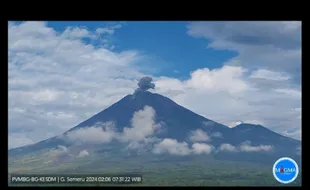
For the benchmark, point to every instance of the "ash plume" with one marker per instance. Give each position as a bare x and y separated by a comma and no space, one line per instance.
145,83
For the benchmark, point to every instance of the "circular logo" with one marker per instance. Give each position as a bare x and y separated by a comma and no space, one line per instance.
285,170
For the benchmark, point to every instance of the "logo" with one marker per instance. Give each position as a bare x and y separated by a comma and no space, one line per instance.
285,170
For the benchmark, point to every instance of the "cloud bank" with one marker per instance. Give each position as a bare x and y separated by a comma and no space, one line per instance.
141,137
199,136
140,134
100,133
245,147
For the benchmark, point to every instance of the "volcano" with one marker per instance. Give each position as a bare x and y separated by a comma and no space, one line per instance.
238,143
149,133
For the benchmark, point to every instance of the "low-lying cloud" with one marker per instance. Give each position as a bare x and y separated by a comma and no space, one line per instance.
228,147
83,153
248,148
199,136
202,148
172,146
245,147
100,133
140,134
142,125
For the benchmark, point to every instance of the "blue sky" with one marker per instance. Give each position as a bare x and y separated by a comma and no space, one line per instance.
167,42
61,73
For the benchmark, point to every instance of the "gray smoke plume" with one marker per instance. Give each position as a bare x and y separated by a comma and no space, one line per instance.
145,83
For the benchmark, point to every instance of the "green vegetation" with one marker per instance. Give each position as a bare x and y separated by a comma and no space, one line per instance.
198,171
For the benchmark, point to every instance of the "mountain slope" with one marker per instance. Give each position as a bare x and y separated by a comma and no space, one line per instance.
178,119
178,123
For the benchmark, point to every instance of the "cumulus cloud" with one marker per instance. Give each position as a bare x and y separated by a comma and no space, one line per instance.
76,32
39,56
139,135
227,78
269,107
244,147
145,144
228,147
202,148
83,153
172,146
199,136
100,133
273,65
142,125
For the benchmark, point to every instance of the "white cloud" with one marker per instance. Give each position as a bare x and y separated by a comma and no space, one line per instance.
293,132
269,75
144,145
77,33
298,111
270,107
244,147
199,136
228,147
232,124
101,133
295,93
139,135
172,146
274,65
59,80
202,148
83,153
108,30
227,78
142,125
247,147
104,30
235,123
